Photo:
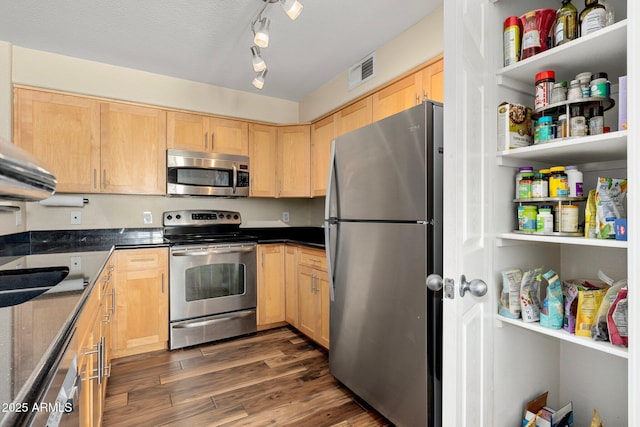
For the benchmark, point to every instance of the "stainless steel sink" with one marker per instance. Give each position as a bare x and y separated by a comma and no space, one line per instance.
21,285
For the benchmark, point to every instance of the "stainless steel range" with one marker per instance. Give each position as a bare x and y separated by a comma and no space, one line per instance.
212,279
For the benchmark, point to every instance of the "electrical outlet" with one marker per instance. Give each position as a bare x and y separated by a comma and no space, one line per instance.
147,217
19,217
285,216
75,264
76,217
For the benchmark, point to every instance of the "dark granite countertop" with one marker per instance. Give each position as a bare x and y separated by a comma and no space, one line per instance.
85,252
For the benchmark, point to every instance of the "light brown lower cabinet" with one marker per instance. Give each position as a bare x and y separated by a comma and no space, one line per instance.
313,300
271,288
142,301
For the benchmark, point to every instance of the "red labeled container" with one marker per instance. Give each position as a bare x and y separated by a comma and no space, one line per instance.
544,86
511,38
536,25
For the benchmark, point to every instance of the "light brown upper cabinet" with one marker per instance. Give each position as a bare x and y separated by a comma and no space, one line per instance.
433,81
293,172
263,155
133,149
196,132
322,133
355,116
63,132
93,146
427,83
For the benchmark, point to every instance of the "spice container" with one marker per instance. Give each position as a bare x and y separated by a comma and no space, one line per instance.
525,186
559,92
544,130
569,219
596,121
585,80
544,86
578,123
575,91
511,37
561,129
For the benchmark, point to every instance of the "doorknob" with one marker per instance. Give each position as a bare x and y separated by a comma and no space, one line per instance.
434,282
477,287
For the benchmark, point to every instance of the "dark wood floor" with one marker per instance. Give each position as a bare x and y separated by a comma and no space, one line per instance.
276,378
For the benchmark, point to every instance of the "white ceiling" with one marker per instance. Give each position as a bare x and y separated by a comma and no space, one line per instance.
208,40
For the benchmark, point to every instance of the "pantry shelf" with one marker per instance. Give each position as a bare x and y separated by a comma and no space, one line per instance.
505,239
560,334
595,148
600,50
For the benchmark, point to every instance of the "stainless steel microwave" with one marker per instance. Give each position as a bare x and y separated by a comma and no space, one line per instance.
191,173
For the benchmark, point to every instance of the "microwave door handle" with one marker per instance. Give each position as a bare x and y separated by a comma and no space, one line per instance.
235,177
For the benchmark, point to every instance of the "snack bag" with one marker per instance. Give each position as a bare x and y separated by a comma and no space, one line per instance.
590,224
529,301
617,320
570,294
610,193
509,305
588,304
600,329
596,421
552,312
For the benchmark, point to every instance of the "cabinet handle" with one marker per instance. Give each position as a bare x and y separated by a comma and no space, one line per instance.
417,99
206,141
104,178
143,260
213,139
163,283
95,178
315,260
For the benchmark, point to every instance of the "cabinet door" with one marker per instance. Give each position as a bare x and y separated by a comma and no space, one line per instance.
308,318
263,151
142,301
355,116
397,97
229,136
271,275
63,132
322,133
133,149
291,285
323,301
187,131
433,82
294,144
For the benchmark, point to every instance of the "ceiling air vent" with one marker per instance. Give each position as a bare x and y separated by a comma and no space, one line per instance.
362,71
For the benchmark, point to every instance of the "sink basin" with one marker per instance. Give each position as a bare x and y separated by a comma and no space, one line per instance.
21,285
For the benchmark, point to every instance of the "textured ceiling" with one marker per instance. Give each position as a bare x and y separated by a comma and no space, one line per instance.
208,40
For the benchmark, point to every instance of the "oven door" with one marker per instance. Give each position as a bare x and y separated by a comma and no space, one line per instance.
212,279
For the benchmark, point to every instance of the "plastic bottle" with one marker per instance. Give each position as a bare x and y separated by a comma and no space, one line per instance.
544,86
574,178
525,186
596,121
558,182
592,18
540,186
524,169
544,221
566,25
530,36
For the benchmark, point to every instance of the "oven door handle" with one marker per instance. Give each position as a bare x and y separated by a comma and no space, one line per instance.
213,252
213,321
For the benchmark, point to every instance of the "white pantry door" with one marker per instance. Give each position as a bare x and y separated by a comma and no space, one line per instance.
467,321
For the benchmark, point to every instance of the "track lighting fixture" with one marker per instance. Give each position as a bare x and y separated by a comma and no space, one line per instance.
260,28
258,62
258,80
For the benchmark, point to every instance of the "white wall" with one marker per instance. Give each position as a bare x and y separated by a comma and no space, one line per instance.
415,46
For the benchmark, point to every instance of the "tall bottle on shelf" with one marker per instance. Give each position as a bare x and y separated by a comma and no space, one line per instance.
565,27
593,17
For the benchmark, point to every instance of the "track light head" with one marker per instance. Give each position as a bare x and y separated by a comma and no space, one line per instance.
292,8
258,80
258,62
261,35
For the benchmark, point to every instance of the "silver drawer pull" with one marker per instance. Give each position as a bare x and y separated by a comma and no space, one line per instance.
213,321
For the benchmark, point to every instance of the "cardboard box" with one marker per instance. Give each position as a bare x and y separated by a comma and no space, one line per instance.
622,103
515,128
548,417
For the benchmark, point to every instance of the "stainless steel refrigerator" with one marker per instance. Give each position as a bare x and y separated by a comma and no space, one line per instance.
383,230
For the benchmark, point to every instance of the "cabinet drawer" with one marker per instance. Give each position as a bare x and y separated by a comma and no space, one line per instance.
313,258
141,259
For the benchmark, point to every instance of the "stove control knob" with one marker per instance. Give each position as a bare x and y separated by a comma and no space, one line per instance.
228,216
235,216
169,217
178,216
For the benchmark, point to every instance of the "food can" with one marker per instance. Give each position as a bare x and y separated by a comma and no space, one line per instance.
569,219
511,37
600,88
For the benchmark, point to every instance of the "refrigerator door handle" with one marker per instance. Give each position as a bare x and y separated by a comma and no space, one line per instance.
327,242
330,181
